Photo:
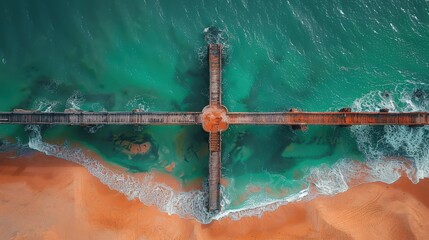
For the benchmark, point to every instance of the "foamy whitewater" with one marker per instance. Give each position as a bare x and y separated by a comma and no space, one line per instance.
390,151
152,56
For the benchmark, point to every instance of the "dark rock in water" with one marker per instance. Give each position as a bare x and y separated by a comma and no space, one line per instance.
418,93
132,145
386,94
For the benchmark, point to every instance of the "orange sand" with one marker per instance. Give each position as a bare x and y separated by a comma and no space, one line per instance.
47,198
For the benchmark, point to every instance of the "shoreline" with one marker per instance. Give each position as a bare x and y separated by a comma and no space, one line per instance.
46,197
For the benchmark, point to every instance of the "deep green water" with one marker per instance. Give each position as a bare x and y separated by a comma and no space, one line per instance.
312,55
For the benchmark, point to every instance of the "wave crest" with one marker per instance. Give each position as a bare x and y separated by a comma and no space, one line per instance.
185,204
390,151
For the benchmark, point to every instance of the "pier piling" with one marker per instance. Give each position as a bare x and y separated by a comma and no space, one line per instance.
215,119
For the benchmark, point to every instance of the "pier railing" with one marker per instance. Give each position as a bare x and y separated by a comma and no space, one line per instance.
215,119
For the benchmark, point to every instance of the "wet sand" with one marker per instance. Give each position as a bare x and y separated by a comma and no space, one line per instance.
42,197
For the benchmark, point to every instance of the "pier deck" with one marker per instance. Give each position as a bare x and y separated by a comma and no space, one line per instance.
95,118
215,68
330,118
214,170
215,119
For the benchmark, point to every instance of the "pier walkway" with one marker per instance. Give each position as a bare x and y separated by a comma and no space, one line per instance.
215,119
330,118
95,118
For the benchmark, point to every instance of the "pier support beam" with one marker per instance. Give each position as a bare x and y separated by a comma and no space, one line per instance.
214,171
215,119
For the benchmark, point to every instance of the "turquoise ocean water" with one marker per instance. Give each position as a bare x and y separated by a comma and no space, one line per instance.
311,55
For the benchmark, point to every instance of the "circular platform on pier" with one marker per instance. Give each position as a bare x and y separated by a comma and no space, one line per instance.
215,118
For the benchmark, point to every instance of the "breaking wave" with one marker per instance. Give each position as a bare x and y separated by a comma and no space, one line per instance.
190,204
214,35
391,149
185,204
139,103
75,101
390,152
45,105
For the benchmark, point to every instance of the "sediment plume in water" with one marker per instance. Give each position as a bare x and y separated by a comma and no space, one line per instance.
390,151
184,204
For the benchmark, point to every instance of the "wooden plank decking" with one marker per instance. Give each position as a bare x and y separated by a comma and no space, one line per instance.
95,118
214,171
330,118
215,140
215,118
215,68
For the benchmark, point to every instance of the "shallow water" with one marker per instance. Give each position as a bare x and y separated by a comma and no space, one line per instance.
110,55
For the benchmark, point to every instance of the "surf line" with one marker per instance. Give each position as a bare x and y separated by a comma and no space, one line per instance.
215,119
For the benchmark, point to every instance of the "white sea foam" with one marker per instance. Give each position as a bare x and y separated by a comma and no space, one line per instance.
138,102
258,208
45,105
75,101
390,151
396,148
97,107
185,204
214,35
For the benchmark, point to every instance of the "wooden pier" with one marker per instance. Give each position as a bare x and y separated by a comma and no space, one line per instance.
215,119
330,118
95,118
215,68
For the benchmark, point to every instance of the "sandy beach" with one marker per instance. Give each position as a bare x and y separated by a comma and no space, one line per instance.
43,197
